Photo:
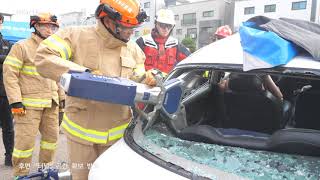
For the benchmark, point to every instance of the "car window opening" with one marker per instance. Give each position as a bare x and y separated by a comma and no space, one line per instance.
242,127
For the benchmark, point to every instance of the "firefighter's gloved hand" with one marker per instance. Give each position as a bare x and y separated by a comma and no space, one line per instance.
62,104
150,78
96,72
18,109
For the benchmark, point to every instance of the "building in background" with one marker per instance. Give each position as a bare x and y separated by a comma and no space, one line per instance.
318,12
199,20
7,16
72,18
299,9
151,7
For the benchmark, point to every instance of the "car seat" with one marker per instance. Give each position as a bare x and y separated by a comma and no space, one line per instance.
249,107
307,113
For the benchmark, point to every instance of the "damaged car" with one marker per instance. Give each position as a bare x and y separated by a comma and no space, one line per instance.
240,132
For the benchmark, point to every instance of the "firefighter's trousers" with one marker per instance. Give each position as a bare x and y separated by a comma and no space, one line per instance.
26,129
82,157
7,125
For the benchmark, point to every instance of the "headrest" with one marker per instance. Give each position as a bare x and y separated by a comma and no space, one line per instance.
244,83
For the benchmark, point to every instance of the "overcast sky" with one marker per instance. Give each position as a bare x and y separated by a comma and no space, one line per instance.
24,8
53,6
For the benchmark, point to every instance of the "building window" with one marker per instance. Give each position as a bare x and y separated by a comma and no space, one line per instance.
146,5
249,10
207,14
176,17
192,32
189,19
299,5
270,8
179,31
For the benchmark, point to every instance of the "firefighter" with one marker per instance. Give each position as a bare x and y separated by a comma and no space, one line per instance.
5,117
34,100
91,126
162,51
222,32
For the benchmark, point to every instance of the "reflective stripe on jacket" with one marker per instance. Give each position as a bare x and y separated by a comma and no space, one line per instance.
94,48
90,135
22,81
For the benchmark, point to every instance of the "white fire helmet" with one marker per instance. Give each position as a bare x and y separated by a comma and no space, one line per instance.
165,16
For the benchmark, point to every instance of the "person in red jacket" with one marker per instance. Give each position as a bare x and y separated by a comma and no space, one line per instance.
162,51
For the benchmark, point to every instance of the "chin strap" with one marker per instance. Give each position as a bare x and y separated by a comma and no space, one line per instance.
39,34
115,34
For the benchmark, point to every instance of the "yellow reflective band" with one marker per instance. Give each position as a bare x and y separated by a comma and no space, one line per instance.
139,70
47,145
30,70
40,103
12,61
22,154
117,132
86,134
92,135
205,74
59,45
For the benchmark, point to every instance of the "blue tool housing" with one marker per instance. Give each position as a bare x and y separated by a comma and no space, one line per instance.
101,88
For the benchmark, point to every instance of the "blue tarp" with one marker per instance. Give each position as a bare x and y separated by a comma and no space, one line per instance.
15,31
264,49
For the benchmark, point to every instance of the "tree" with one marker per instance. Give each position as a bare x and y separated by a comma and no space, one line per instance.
189,43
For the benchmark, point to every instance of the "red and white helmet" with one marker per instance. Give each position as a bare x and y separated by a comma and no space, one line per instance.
223,31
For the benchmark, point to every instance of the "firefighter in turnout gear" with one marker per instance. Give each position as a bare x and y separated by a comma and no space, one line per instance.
91,126
34,100
162,51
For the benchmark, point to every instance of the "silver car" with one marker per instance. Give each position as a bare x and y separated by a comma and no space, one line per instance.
242,132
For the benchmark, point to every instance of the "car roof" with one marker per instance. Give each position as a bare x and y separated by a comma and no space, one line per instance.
228,53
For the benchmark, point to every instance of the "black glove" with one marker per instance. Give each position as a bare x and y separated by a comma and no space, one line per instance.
62,104
18,108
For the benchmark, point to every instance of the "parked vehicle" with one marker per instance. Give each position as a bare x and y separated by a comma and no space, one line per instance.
238,133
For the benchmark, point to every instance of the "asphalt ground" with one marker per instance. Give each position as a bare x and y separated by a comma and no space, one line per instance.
61,157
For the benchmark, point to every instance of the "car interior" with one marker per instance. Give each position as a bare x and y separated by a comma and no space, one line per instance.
248,116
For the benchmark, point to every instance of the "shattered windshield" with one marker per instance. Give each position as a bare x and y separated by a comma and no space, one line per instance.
245,163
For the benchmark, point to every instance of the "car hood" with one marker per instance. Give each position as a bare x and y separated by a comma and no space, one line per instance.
121,162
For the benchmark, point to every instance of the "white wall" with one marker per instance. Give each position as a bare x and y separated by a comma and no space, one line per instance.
318,12
283,9
218,6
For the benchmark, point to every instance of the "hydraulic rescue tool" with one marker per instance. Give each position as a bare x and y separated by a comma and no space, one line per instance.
165,98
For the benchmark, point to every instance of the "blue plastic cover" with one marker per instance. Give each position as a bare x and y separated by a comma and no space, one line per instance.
14,31
266,46
102,88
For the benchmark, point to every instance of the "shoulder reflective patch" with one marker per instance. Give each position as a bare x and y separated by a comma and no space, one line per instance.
148,41
59,45
12,61
171,42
